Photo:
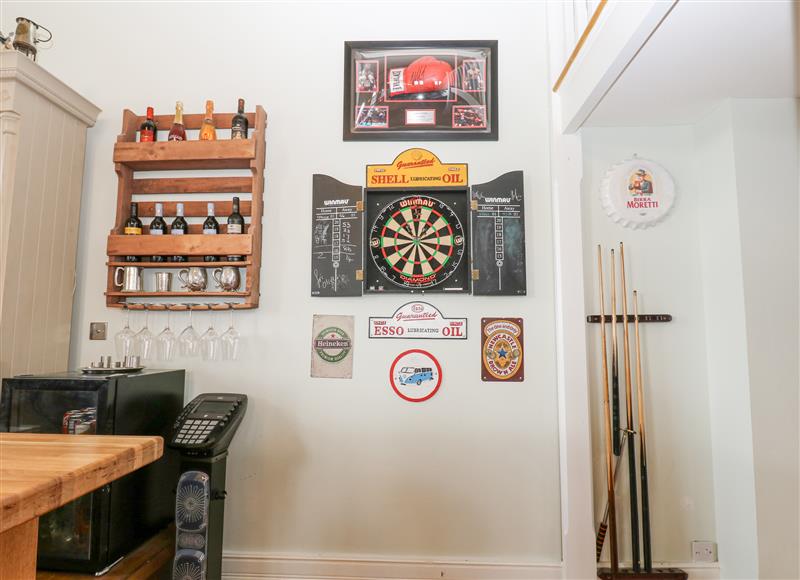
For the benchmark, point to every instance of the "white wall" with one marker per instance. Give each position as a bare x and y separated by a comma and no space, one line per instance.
746,157
326,466
765,135
728,388
663,264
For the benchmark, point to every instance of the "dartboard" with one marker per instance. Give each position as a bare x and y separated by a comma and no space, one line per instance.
417,242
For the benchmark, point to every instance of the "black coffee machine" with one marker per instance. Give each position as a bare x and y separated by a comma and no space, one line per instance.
202,434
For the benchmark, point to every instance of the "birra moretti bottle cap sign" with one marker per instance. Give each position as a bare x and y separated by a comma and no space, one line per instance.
637,193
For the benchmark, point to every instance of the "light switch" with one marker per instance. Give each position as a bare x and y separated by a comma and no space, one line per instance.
97,330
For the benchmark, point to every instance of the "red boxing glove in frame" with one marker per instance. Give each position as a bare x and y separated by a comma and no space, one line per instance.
425,75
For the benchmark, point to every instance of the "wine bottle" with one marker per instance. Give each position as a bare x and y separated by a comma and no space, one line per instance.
207,130
178,228
235,224
239,123
158,227
133,227
147,130
210,226
178,131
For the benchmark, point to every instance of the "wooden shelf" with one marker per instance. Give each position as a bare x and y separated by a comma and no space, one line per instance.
184,307
228,154
164,185
131,156
199,264
186,245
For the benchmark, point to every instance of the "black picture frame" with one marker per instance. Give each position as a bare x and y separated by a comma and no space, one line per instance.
378,95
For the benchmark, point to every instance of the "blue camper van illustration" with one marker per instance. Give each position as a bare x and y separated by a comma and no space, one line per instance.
415,375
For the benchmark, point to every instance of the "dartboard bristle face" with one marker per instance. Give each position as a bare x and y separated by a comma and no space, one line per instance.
417,242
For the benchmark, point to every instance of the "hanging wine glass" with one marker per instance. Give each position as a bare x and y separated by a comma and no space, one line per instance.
230,339
166,341
123,340
209,342
189,340
143,340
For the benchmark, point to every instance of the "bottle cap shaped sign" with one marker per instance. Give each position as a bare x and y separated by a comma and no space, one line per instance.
637,193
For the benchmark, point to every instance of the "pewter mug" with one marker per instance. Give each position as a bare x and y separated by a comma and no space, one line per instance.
227,278
131,278
163,281
194,278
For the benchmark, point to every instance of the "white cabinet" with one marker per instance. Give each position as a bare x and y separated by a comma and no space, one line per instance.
43,127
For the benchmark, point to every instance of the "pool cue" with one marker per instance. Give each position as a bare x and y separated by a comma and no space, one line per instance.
635,557
603,527
614,363
612,511
646,548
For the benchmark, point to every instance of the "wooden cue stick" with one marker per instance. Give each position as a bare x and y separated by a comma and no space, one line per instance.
615,431
635,557
603,527
646,547
612,511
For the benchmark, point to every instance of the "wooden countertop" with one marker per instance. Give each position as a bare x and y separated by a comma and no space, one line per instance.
39,473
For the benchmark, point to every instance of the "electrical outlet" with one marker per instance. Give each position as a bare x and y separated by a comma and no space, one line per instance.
704,551
97,331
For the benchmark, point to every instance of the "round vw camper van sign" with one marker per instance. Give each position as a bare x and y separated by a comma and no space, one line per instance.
415,375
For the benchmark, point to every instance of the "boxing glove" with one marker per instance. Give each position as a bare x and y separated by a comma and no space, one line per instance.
425,75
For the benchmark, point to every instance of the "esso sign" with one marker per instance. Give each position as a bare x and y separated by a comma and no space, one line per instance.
388,330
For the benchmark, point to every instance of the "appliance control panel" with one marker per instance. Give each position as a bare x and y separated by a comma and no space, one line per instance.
207,424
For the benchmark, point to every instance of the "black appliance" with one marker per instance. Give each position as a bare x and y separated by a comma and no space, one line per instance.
93,532
202,435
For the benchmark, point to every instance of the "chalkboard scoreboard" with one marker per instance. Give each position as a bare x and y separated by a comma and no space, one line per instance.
498,236
337,238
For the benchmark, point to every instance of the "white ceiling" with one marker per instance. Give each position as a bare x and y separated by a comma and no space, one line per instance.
704,52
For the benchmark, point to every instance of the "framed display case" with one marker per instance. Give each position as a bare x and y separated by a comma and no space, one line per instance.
420,90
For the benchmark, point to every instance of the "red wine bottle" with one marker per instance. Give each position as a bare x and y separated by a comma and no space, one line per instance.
235,225
158,227
210,227
133,227
148,130
239,123
179,227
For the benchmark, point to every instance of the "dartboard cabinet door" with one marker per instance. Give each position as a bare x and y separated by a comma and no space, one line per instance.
336,238
498,236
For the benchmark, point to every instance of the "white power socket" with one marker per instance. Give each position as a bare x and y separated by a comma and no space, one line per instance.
704,551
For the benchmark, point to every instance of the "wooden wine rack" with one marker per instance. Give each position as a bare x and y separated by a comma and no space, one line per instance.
131,157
